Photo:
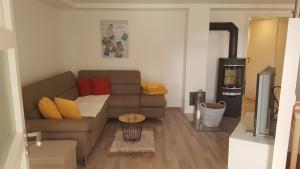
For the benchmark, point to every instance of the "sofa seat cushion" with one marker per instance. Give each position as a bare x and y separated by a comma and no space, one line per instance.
123,101
55,126
153,101
153,112
115,112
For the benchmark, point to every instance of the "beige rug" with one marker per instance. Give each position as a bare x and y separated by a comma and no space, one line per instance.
145,145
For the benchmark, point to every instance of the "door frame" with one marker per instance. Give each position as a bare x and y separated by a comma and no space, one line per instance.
259,14
17,155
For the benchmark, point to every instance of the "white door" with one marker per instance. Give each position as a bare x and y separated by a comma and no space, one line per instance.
12,127
261,51
287,94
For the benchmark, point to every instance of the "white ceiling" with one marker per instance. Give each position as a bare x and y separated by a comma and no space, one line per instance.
194,1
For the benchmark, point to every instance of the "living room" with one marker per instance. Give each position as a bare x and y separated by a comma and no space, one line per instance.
168,42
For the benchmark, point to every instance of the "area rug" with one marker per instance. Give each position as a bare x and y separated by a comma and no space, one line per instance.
144,146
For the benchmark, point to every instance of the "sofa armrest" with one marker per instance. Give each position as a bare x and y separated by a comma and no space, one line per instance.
66,125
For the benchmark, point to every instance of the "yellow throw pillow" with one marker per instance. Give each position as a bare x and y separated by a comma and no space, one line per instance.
68,108
49,109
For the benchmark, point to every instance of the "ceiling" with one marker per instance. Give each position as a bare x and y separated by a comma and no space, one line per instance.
193,1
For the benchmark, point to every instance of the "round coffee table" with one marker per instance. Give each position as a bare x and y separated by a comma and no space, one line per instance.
132,126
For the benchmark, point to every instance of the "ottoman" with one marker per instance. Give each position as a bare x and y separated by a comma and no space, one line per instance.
56,154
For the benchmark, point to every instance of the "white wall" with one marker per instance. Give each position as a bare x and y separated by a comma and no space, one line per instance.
181,64
38,38
218,46
156,45
197,46
191,56
219,40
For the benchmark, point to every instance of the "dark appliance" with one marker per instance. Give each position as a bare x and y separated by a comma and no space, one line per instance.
230,85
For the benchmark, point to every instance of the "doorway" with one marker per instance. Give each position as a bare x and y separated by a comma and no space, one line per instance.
266,47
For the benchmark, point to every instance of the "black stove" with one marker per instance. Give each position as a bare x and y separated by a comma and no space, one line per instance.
231,72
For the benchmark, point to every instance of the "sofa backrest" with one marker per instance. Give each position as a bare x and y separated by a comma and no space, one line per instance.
122,81
62,85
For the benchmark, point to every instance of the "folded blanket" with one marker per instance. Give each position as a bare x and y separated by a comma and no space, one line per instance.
153,88
91,105
155,92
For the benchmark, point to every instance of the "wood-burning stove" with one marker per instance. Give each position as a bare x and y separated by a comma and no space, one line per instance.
230,85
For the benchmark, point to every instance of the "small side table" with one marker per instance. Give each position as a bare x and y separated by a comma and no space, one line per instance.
132,126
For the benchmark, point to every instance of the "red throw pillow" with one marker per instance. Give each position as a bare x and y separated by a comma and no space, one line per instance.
85,87
101,85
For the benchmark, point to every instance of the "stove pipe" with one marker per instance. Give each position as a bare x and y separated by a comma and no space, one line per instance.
233,37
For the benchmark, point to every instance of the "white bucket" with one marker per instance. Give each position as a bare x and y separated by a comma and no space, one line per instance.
212,113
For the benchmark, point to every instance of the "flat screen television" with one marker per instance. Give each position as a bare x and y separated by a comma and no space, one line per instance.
264,106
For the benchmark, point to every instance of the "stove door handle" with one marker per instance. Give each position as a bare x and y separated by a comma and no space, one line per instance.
231,93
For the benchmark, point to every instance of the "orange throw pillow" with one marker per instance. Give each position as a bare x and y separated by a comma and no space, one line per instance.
49,109
68,108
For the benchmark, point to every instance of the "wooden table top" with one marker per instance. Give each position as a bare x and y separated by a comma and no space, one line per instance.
132,118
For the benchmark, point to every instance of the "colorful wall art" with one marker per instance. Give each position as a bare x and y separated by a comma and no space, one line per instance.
114,38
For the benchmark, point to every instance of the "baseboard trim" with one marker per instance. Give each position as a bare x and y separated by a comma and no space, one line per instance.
189,116
175,108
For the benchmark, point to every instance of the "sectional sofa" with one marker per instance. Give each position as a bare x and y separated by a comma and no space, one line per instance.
126,97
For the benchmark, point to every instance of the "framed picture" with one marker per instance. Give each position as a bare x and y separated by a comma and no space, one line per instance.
114,38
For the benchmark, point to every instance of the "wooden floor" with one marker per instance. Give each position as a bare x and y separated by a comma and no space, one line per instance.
177,146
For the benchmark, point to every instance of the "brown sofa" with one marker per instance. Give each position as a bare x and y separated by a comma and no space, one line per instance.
126,97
